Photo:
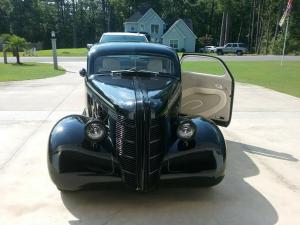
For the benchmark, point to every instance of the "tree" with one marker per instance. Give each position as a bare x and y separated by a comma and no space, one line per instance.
78,22
4,39
5,11
16,44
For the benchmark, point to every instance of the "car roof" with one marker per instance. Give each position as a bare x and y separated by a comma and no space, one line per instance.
123,33
131,48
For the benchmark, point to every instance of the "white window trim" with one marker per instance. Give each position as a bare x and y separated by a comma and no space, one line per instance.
174,40
142,25
151,28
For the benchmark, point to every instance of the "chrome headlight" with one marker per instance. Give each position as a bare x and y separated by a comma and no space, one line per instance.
186,130
95,130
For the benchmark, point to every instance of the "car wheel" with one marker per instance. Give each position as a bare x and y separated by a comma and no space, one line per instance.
220,52
239,53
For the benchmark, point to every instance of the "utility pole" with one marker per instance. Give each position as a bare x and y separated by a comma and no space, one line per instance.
74,24
226,29
211,16
286,15
54,54
109,17
221,32
284,43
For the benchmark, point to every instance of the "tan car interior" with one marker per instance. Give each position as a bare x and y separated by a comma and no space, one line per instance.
206,95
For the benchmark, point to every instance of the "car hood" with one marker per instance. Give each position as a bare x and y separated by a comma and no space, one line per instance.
123,92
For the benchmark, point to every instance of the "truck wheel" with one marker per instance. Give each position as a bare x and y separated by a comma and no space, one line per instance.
239,52
220,52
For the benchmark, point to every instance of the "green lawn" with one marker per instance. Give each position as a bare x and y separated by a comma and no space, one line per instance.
206,66
270,74
60,52
27,71
64,52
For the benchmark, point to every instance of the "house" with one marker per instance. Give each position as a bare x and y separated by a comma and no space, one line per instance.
179,35
146,20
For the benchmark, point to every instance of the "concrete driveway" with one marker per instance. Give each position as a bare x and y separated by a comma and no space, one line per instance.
262,183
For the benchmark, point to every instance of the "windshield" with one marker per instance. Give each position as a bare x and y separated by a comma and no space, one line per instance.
122,38
155,64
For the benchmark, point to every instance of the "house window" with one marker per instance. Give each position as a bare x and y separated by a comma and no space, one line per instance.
142,27
174,44
132,28
154,28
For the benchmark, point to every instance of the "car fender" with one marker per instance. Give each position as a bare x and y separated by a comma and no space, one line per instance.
68,136
205,153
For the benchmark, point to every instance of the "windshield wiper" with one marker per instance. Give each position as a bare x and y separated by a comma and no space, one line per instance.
148,71
134,70
122,71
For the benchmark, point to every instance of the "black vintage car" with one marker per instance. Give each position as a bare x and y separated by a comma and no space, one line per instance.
150,118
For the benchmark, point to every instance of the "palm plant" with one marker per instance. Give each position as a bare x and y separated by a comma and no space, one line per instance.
16,44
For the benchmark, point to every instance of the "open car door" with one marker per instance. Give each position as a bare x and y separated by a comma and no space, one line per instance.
207,88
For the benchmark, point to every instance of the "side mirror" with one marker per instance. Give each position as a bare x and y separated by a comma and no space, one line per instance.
89,46
82,72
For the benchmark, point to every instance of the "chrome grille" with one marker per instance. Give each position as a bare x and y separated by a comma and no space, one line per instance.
126,149
156,150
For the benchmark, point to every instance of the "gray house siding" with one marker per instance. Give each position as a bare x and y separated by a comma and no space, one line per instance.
144,24
181,32
179,35
173,35
190,45
130,27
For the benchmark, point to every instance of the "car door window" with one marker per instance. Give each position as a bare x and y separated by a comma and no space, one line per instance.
204,66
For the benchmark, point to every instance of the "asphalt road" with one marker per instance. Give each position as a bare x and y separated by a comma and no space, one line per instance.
261,187
225,58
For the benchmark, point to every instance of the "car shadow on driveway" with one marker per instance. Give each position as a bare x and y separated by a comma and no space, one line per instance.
233,202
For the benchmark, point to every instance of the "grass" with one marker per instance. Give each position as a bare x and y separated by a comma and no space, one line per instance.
206,66
27,71
271,75
64,52
60,52
268,74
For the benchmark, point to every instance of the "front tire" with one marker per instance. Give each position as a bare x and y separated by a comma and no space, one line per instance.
220,52
239,53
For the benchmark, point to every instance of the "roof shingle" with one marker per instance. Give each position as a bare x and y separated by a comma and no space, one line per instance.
138,14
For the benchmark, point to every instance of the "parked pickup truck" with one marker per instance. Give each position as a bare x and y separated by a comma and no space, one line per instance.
237,48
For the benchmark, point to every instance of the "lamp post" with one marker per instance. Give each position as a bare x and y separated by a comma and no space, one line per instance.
54,54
